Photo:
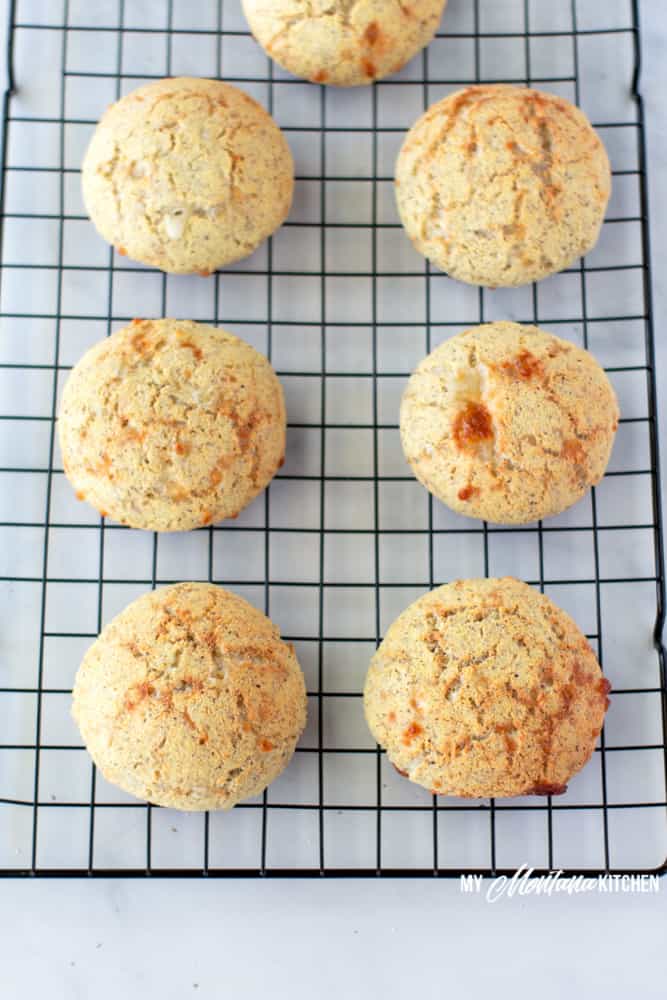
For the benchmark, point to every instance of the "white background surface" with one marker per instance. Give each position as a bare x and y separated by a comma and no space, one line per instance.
207,939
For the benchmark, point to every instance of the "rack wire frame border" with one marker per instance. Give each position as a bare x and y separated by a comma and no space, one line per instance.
658,539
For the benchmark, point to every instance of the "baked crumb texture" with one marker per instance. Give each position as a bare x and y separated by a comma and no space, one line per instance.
343,42
507,423
502,185
484,688
187,175
190,699
170,425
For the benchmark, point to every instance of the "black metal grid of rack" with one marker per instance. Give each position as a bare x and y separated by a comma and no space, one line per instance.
32,845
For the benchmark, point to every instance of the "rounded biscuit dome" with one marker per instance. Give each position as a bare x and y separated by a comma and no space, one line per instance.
507,423
502,185
343,42
168,425
190,699
484,688
187,175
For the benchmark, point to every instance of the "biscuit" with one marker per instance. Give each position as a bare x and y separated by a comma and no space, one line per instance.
168,425
501,185
508,423
342,42
190,699
187,175
484,688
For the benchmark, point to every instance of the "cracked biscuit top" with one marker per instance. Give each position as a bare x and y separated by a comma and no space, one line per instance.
187,175
501,185
168,425
485,688
508,423
343,42
190,699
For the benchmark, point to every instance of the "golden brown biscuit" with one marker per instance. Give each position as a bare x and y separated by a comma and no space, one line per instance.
187,175
484,688
508,423
501,185
189,699
168,425
343,42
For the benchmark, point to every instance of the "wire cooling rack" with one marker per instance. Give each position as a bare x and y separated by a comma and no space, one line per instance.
344,538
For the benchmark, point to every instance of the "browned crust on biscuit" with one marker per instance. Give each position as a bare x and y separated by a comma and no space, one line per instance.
484,688
342,43
502,185
508,423
168,425
190,699
187,175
